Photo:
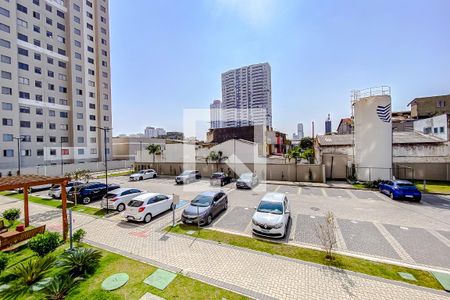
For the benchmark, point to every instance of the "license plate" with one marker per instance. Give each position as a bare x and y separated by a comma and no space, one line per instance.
409,196
265,230
188,221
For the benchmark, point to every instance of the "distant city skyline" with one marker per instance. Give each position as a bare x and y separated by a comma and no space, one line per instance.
318,53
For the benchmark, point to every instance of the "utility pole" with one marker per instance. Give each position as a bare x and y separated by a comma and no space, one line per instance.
18,154
62,159
105,130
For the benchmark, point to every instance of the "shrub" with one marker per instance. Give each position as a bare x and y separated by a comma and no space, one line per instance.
80,261
44,243
3,261
60,286
11,214
78,235
33,269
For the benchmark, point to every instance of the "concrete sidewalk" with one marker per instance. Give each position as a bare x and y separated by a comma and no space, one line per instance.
254,274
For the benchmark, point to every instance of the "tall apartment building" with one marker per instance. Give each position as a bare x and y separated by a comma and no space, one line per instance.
300,133
215,114
328,125
247,96
55,81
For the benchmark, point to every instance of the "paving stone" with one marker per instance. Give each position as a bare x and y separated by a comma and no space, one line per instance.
237,219
421,245
308,191
305,229
364,237
340,193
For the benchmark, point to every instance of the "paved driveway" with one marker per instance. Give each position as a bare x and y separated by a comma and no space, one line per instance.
368,222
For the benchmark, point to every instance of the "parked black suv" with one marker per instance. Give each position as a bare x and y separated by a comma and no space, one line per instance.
91,191
219,178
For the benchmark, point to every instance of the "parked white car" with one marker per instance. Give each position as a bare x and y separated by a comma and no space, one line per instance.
271,218
146,206
118,199
55,190
143,174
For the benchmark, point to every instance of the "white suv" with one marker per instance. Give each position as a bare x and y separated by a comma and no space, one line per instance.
143,174
271,218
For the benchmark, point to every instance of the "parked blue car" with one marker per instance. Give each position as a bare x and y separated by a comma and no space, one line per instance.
397,189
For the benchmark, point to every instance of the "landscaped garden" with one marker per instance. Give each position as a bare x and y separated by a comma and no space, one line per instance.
45,268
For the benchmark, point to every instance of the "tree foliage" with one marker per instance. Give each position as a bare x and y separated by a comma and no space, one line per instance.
154,149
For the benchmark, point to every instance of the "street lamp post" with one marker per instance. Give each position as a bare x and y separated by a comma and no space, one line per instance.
18,154
62,158
105,129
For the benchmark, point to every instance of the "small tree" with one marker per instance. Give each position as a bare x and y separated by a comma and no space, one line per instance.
154,149
326,234
79,235
79,175
308,154
3,261
306,143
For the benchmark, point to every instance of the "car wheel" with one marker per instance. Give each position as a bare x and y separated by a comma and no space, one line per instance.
86,200
147,218
391,194
121,207
154,175
225,207
173,206
209,220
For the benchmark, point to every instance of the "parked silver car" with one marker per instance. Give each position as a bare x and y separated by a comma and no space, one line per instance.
247,181
55,190
188,176
271,218
119,198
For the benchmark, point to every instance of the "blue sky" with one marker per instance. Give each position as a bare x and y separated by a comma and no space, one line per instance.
168,55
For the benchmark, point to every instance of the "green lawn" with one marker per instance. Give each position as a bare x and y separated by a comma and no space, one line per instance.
111,263
341,261
57,204
124,173
442,187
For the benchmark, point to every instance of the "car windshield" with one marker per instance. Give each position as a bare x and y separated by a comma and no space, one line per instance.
186,173
135,203
405,184
57,186
110,195
246,176
270,207
216,175
202,201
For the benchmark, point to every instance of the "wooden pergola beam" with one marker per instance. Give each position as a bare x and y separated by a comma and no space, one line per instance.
26,181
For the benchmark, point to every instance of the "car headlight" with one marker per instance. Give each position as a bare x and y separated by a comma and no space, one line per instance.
277,226
254,222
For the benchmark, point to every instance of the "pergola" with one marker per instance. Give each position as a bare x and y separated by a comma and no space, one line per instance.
26,181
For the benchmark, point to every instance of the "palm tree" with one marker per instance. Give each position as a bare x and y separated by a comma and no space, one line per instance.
216,157
154,149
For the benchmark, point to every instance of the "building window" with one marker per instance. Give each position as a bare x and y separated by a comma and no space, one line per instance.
39,125
51,99
50,60
23,80
40,139
8,153
435,130
7,122
51,113
49,34
76,19
38,83
80,151
60,14
37,42
52,126
22,8
8,137
48,21
4,12
36,15
38,97
80,140
4,27
62,89
441,129
24,95
61,27
39,111
22,51
37,56
5,59
89,26
7,106
5,43
80,127
93,140
79,103
64,139
6,75
40,152
64,127
77,43
6,91
92,128
24,109
79,116
63,114
26,152
37,70
440,104
91,105
52,152
48,7
77,31
50,73
62,64
25,124
36,29
92,117
25,138
52,139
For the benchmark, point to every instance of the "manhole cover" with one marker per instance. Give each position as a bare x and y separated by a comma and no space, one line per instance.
115,281
315,208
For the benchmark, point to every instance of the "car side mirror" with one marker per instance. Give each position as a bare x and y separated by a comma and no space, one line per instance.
287,211
254,208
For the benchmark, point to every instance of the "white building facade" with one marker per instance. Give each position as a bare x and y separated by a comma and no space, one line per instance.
247,96
215,114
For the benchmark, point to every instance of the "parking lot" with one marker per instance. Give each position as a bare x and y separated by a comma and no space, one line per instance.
368,222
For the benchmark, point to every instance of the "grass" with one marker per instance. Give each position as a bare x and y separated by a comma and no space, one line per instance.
124,173
359,186
112,263
442,187
57,204
359,265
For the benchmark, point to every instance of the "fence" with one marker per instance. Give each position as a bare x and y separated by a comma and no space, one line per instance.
271,171
55,170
